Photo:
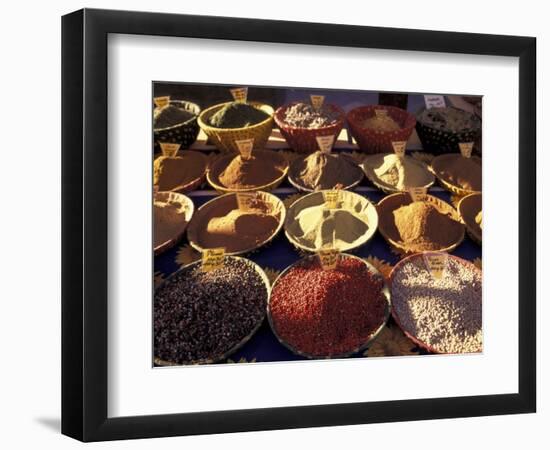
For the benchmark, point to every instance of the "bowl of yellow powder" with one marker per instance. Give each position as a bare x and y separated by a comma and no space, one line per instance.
223,222
391,173
172,213
375,127
311,225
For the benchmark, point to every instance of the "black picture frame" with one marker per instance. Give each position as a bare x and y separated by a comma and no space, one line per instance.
84,224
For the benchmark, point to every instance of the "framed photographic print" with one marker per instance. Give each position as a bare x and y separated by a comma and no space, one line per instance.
274,224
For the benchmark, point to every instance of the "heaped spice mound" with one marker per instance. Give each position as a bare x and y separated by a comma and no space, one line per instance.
170,116
445,313
200,316
243,173
323,313
238,115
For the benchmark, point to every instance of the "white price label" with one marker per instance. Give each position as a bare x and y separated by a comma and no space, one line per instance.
161,102
466,149
381,113
418,194
169,148
399,148
434,101
325,143
246,200
317,101
239,94
245,147
436,263
328,257
213,259
332,198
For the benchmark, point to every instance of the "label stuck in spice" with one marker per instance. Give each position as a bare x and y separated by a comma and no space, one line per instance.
317,101
246,200
466,149
239,94
381,113
213,259
418,194
161,102
169,149
332,198
436,263
434,101
325,143
328,257
399,148
245,147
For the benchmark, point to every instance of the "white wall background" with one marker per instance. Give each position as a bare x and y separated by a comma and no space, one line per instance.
30,288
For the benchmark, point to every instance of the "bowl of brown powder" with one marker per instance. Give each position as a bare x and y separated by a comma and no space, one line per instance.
320,171
181,173
391,173
223,222
441,315
229,122
300,124
171,212
469,209
311,225
375,127
416,226
460,175
263,171
176,123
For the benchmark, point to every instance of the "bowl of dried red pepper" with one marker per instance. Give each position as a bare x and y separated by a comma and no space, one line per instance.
320,313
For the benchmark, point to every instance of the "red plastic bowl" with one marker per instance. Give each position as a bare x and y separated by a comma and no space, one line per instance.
373,141
303,140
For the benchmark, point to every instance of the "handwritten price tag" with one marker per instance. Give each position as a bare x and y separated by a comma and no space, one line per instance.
380,113
466,149
325,143
246,200
418,194
213,259
169,148
239,94
399,148
434,101
245,147
328,257
317,101
436,263
161,102
332,198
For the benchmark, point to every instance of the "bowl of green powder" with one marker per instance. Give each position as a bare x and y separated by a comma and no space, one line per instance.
311,224
176,123
229,122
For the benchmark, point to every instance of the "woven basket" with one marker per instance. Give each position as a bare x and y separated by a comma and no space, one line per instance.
224,138
303,140
183,133
374,141
441,141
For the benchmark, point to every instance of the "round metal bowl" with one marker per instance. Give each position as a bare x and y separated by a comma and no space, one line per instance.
468,208
387,188
220,164
367,211
446,183
186,218
228,202
294,169
389,204
229,352
385,292
394,313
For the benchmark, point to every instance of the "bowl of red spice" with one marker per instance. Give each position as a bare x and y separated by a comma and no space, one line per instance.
320,313
264,170
375,127
223,222
411,226
300,124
